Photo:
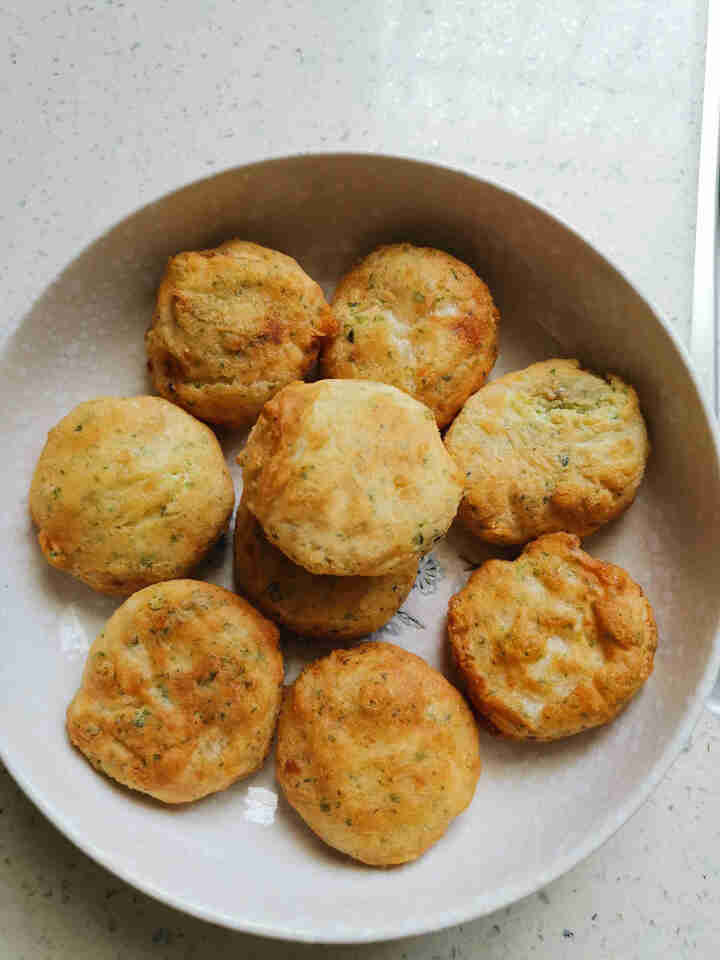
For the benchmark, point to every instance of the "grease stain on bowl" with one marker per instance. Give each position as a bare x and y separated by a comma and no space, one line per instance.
73,639
260,806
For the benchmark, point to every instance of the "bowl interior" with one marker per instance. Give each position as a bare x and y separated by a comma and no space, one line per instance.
242,858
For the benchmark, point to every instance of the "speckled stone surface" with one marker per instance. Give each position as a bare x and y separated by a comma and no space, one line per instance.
590,109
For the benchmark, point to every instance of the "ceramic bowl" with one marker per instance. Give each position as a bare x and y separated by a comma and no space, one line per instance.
242,858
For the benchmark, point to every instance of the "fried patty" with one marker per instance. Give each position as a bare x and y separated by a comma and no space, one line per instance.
349,477
377,752
128,492
553,642
180,692
549,448
418,319
310,604
231,327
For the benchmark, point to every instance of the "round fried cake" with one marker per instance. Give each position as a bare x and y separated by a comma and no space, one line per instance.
128,492
231,327
349,477
416,318
377,752
180,692
309,604
549,448
553,642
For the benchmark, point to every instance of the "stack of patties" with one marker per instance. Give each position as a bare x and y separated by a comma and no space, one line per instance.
346,485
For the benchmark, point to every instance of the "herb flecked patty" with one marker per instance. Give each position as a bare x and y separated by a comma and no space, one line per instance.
553,642
416,318
310,604
349,477
377,752
549,448
180,692
128,492
231,327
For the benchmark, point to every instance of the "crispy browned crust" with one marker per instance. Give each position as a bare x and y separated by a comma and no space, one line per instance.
377,752
128,492
549,448
552,643
231,327
416,318
314,606
180,692
349,477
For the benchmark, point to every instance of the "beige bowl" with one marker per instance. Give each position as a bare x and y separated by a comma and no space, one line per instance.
242,858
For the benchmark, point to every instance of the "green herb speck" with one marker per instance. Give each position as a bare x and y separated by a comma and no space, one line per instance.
140,717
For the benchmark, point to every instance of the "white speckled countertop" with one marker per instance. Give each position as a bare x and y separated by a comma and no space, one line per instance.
591,109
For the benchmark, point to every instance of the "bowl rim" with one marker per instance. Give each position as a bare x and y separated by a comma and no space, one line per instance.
560,865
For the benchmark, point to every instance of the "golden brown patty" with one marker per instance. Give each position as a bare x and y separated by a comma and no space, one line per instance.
311,605
377,752
546,449
180,691
552,643
349,477
231,326
418,319
128,492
